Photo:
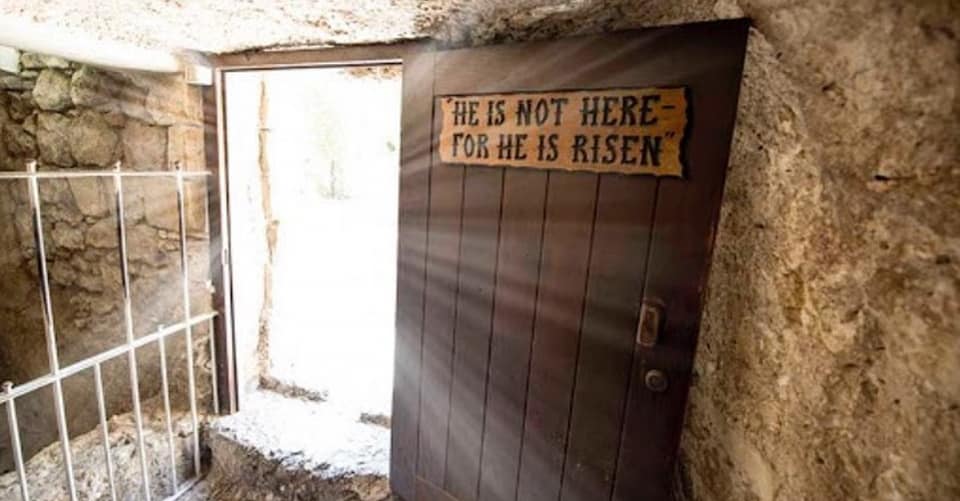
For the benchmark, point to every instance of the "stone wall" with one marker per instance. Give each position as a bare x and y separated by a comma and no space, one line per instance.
70,116
829,359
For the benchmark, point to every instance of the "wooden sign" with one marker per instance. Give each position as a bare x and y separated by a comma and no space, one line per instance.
626,131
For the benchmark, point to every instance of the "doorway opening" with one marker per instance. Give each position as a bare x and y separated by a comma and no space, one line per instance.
313,161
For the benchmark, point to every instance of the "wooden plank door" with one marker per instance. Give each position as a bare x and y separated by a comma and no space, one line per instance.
519,376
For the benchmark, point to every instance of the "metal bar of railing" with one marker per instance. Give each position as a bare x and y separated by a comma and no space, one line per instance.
50,330
185,270
213,367
189,484
128,319
15,442
82,365
104,431
64,174
165,388
210,327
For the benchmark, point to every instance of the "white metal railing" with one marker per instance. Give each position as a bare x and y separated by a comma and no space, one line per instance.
57,374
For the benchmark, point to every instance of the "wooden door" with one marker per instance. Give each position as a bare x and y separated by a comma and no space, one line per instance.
519,375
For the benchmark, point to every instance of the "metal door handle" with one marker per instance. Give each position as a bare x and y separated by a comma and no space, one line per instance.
648,328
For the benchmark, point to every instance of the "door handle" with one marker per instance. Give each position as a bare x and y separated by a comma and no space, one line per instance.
649,325
648,335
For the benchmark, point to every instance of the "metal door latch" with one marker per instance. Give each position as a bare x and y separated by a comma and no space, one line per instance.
648,328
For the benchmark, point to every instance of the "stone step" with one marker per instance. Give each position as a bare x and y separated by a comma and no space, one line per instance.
281,448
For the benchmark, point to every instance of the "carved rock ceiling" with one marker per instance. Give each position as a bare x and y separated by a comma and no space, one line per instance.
229,26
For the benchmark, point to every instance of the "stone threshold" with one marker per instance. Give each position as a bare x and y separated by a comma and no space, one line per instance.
282,448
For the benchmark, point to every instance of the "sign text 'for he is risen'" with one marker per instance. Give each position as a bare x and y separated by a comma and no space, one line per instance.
626,131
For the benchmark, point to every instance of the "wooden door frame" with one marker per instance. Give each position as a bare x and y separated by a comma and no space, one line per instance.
215,153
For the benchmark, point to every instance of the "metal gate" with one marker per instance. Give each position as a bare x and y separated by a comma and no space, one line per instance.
185,327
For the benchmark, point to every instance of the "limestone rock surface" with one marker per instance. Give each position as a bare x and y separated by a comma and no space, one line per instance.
52,91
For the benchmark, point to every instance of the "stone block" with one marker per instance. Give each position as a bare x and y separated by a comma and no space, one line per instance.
52,91
64,213
24,225
55,192
132,103
93,141
144,146
143,245
8,201
93,196
133,206
116,118
185,143
80,263
8,242
90,282
16,82
195,201
92,88
160,205
193,104
61,272
66,236
6,161
5,158
34,61
52,132
20,105
30,125
165,100
135,191
18,142
110,277
103,234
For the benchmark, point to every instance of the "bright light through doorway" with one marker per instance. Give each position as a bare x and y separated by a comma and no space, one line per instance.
314,183
331,328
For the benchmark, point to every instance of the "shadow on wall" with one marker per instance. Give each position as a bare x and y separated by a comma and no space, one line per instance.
70,116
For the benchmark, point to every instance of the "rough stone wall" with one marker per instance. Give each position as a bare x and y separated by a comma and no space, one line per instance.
830,353
830,348
69,116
